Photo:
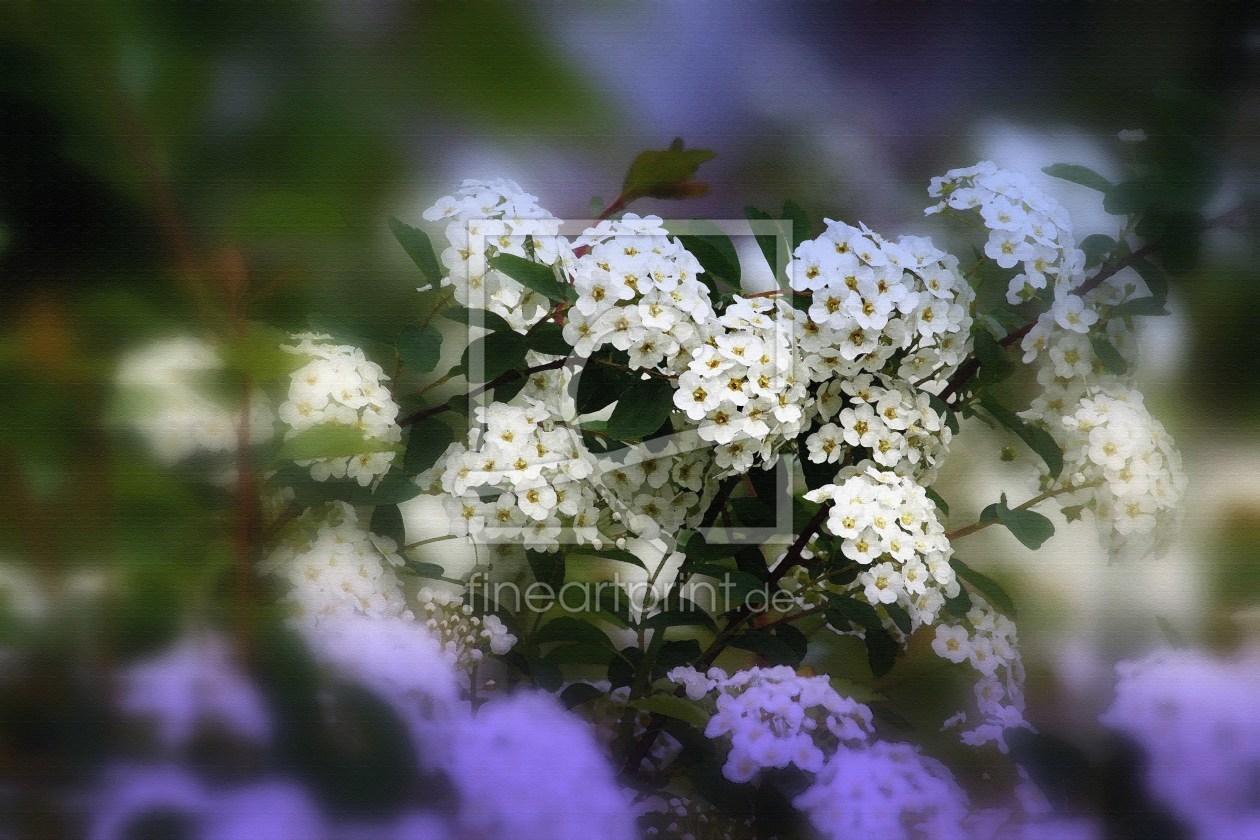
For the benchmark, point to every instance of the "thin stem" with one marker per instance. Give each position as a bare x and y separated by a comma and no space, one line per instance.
1035,500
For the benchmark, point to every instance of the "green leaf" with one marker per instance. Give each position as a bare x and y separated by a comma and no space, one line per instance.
578,694
425,444
598,384
1029,527
1096,246
501,352
1129,197
532,275
770,646
1038,439
1170,633
681,612
881,650
793,213
618,554
419,347
1156,280
1109,355
548,568
331,441
1060,770
257,354
388,522
673,707
847,609
488,320
642,409
937,500
665,173
569,630
985,585
714,250
995,365
548,337
1078,175
1147,306
417,245
768,242
755,513
900,617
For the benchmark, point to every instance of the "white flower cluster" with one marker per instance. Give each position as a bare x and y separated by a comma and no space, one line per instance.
528,768
339,386
1062,334
334,566
1127,467
1190,713
1026,227
885,791
532,233
989,642
888,525
893,422
775,717
637,291
873,298
466,636
530,468
167,389
194,684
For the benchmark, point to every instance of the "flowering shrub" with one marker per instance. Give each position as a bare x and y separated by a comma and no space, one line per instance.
729,482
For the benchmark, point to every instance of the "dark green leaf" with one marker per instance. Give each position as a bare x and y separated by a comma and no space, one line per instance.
1038,439
881,650
684,614
599,384
994,363
548,338
579,693
675,654
797,641
713,248
642,409
1156,280
674,707
432,571
548,568
937,500
1109,355
501,352
665,173
569,630
773,649
800,222
419,347
1078,175
1147,306
425,444
1058,768
532,275
754,513
388,522
621,669
985,585
417,245
1127,198
1096,246
847,609
900,617
477,317
1029,527
776,249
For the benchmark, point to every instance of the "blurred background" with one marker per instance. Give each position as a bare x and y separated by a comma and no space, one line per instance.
155,155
